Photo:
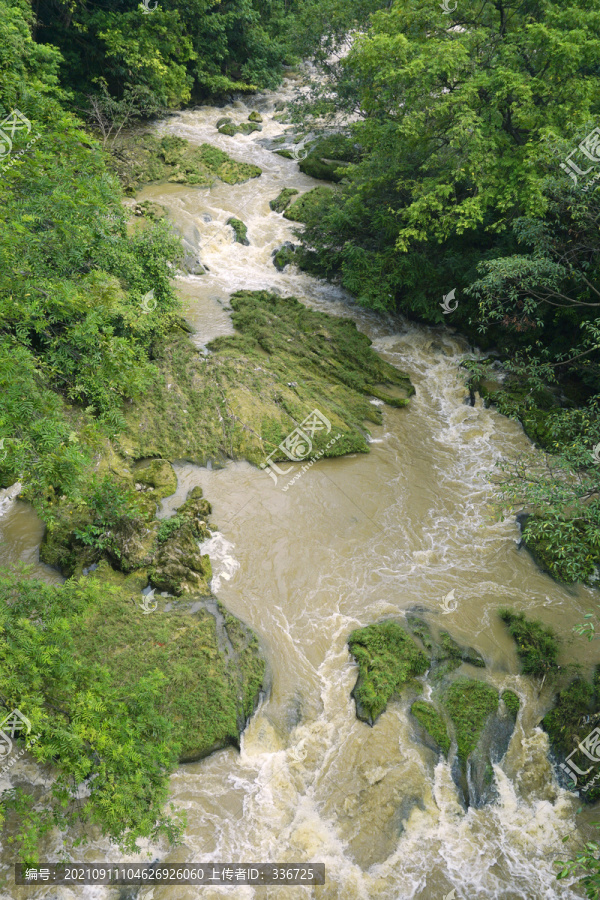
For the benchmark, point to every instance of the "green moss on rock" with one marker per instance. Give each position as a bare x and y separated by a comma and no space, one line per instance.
511,702
157,474
209,689
302,209
284,256
255,116
231,129
388,660
469,705
283,200
142,159
256,386
329,157
240,230
446,654
177,565
433,723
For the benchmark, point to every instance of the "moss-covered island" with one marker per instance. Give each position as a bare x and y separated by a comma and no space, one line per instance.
255,387
140,159
388,662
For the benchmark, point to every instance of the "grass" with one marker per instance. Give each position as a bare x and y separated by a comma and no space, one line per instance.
431,720
206,695
388,659
469,705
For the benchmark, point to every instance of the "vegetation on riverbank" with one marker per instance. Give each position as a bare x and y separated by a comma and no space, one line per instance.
458,184
115,698
576,707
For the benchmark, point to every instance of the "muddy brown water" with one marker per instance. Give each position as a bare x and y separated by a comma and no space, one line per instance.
354,540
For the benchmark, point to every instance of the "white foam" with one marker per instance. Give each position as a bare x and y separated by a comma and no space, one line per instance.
223,562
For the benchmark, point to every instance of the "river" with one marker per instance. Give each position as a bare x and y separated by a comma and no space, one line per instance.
355,540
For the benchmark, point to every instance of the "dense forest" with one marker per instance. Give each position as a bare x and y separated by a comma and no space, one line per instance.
460,151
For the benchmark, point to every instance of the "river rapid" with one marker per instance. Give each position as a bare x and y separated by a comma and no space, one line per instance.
353,541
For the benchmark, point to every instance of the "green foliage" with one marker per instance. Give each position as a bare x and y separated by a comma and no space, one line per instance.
511,702
98,732
431,720
115,698
168,527
537,645
110,506
329,157
586,865
283,200
388,659
469,705
566,723
240,230
73,344
177,53
457,146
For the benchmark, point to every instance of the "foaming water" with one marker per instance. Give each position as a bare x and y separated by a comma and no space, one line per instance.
355,540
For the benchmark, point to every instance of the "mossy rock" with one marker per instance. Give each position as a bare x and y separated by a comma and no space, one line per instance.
252,391
230,129
283,200
454,651
284,256
305,207
240,231
157,474
255,116
329,157
177,565
128,542
511,702
143,159
209,688
150,210
287,154
420,629
388,661
432,721
469,705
